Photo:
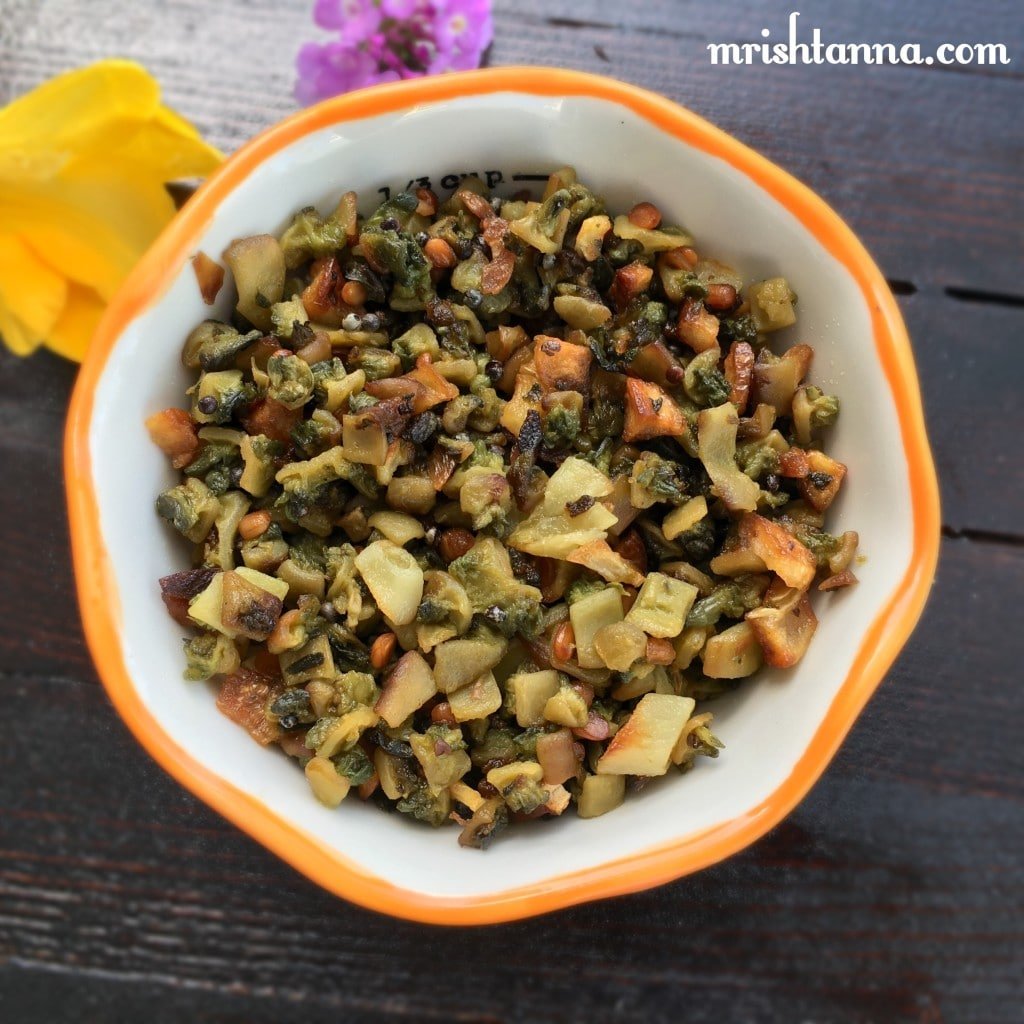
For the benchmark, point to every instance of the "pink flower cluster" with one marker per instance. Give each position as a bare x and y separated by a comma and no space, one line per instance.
387,40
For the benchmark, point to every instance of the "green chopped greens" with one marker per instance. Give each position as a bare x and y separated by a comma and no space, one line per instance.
492,498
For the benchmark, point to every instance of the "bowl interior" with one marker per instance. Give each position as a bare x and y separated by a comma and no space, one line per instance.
514,140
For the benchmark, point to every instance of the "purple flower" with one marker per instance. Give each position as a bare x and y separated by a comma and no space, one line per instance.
355,18
387,40
463,26
398,8
329,68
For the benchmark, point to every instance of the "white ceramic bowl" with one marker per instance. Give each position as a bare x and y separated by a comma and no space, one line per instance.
779,730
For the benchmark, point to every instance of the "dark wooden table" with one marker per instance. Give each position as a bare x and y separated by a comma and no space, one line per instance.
894,893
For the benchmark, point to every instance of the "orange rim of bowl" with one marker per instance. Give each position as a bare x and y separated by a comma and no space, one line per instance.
97,592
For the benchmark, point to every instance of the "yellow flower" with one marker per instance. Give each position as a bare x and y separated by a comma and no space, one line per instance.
83,162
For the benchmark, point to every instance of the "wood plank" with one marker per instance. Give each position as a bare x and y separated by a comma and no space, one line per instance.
894,892
968,372
937,195
38,605
870,21
971,367
969,377
949,220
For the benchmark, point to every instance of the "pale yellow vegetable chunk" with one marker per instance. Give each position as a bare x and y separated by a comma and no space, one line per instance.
588,615
651,240
716,443
609,565
590,237
531,691
644,745
733,653
661,607
681,519
397,527
257,265
620,644
409,686
600,794
574,478
549,531
207,606
567,707
458,662
771,304
394,579
328,786
506,774
345,733
584,314
465,795
478,700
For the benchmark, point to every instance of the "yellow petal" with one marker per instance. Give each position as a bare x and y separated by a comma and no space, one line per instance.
94,221
111,108
168,148
133,206
29,289
14,335
72,241
74,330
83,162
79,107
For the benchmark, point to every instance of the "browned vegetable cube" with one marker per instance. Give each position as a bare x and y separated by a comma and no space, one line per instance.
560,365
822,481
650,412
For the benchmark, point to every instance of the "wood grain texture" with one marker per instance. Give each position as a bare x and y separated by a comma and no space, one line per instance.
894,893
922,162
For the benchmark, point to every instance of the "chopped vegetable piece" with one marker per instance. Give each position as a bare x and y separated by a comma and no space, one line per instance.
779,550
733,653
696,326
457,663
469,485
209,276
771,303
407,688
650,412
661,607
644,745
561,366
590,236
477,700
776,378
174,433
567,707
820,484
530,693
394,578
329,787
589,615
812,410
716,442
257,266
244,697
784,632
739,371
600,794
620,644
684,518
609,565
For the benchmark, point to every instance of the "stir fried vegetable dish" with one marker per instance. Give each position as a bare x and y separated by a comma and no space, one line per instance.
489,498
